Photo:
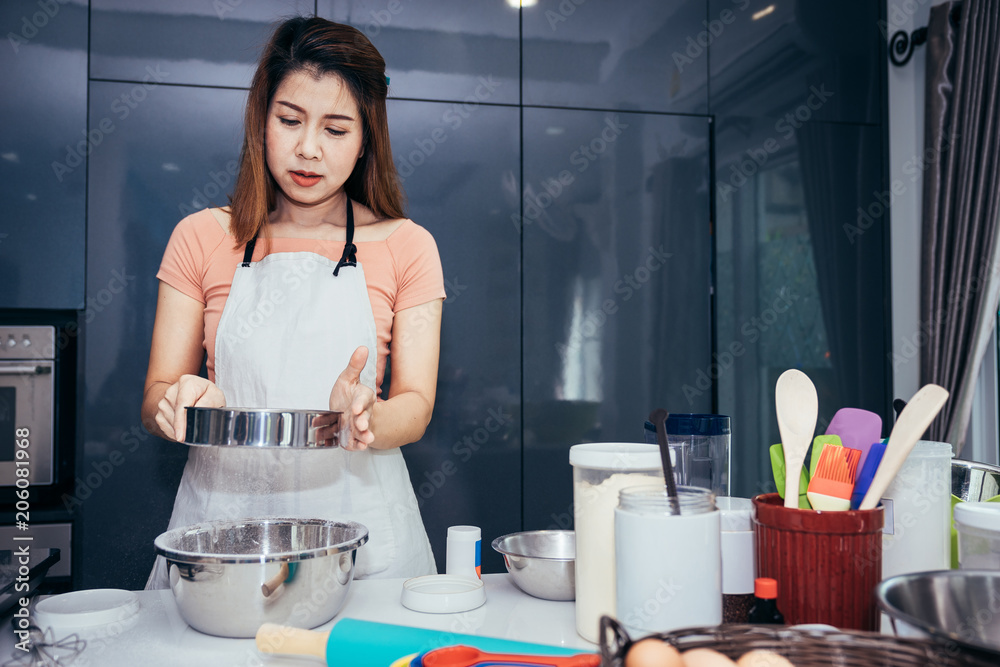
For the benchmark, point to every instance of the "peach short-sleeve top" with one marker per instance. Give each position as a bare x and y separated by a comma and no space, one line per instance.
402,271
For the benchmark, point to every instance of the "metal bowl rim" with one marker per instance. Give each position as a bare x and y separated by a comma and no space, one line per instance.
194,558
975,465
896,613
498,541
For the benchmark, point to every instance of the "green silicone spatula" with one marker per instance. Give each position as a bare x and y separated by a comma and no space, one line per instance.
778,471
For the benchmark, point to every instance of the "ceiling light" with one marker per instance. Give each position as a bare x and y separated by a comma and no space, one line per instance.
763,12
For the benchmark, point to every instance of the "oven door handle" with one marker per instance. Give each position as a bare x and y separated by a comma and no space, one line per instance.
25,370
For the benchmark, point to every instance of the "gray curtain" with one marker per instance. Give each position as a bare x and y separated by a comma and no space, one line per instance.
960,271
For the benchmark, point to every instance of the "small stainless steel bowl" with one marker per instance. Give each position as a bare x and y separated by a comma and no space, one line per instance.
960,606
541,562
974,482
240,427
229,577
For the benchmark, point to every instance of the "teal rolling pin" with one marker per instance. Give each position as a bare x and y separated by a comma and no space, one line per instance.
357,643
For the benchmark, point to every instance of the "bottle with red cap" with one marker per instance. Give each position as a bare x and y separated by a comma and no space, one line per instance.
765,602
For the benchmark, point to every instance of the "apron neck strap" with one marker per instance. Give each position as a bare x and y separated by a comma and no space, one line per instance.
350,256
248,252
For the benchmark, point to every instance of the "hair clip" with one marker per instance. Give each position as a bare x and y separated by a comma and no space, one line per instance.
387,81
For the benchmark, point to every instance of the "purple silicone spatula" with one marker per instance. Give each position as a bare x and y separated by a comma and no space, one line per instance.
858,429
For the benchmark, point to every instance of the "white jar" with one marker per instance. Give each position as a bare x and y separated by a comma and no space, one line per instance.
669,566
600,471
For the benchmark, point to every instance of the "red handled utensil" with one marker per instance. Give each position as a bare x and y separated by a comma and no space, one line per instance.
467,656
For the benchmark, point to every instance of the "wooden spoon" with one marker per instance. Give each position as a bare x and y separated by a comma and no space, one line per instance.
797,406
913,421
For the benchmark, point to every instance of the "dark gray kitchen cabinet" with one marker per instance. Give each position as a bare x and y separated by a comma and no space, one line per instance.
43,154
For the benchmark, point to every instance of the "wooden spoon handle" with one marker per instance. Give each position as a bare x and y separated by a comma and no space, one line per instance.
274,638
272,584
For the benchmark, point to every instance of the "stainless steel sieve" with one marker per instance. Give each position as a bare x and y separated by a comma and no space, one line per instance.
238,427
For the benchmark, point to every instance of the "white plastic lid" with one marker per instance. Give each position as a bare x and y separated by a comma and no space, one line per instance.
443,594
88,609
930,448
985,516
621,456
465,533
736,513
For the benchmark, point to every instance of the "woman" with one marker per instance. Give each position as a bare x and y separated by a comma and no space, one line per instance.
297,293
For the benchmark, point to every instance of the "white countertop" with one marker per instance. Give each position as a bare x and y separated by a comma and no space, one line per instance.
161,637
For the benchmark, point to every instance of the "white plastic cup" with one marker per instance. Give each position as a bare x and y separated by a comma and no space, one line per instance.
739,559
669,566
978,526
463,556
917,510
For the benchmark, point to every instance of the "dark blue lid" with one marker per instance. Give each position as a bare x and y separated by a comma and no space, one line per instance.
693,424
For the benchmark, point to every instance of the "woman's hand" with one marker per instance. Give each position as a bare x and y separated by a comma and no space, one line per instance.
356,402
188,391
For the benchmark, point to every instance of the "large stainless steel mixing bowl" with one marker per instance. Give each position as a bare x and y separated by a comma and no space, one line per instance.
541,562
974,482
960,606
229,577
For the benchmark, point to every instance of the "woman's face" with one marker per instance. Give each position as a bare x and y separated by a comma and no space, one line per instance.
313,137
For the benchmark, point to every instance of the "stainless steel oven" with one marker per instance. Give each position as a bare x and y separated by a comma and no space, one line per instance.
27,402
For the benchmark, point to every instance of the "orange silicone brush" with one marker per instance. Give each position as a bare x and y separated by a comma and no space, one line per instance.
831,486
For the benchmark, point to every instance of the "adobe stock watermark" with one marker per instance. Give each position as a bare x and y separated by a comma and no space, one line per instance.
900,16
463,450
697,45
122,106
94,305
750,331
758,157
640,616
381,18
565,9
626,287
101,471
882,201
216,185
453,117
551,188
453,289
31,25
912,344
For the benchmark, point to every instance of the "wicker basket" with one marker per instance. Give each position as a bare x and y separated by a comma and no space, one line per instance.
804,648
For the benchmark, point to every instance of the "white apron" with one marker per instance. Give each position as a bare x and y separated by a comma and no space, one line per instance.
287,331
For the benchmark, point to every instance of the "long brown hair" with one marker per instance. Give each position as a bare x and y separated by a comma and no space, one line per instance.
319,47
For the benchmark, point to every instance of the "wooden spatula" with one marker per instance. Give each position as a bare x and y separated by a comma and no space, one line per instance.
913,421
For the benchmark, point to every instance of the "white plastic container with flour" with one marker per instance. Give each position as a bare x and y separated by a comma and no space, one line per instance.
600,472
917,504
